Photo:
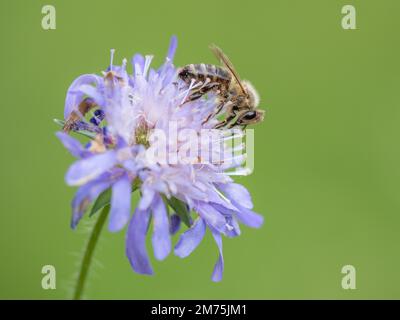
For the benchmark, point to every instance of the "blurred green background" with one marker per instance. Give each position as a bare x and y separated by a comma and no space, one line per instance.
327,162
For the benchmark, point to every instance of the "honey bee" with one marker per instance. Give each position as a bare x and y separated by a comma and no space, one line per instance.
237,97
88,104
84,107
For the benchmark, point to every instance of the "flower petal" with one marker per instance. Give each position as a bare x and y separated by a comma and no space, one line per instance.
85,195
174,224
213,197
213,218
120,204
219,265
249,218
172,48
138,64
161,238
238,193
136,242
87,169
232,228
190,239
74,97
72,145
146,199
92,92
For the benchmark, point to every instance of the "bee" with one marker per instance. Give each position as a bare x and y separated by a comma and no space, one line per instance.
84,107
237,97
88,104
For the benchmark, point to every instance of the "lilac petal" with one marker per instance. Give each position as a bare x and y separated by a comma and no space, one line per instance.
85,195
74,97
152,75
232,226
120,143
216,198
120,204
172,48
245,216
174,224
219,265
146,199
161,238
92,92
131,166
87,169
136,242
190,239
213,218
237,193
168,73
138,64
249,218
72,145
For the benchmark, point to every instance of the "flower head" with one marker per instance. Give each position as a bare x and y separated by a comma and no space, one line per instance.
143,132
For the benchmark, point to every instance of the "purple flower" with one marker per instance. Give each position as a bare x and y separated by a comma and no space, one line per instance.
123,156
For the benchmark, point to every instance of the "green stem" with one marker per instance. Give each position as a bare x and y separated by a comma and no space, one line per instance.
88,255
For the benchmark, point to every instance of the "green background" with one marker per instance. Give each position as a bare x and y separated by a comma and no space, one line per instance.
327,172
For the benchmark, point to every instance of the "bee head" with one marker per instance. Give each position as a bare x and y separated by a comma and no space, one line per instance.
250,117
253,97
250,114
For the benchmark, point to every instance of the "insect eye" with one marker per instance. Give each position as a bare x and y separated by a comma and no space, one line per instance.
250,115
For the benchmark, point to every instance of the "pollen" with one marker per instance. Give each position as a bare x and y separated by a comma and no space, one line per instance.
142,134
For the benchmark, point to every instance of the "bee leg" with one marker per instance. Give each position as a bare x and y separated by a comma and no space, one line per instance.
198,93
221,124
213,114
210,86
226,121
194,96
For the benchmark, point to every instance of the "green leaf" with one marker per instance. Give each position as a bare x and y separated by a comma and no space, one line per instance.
102,200
105,198
85,133
180,209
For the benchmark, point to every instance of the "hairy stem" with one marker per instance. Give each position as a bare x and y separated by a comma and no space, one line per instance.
88,254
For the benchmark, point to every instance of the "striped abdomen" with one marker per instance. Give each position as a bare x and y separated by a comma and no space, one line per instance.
200,72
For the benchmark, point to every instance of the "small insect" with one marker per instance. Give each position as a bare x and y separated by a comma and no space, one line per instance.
84,107
88,104
237,97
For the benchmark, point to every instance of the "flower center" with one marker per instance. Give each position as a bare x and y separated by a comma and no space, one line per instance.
141,134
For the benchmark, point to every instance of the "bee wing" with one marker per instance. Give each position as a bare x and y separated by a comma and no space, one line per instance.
221,56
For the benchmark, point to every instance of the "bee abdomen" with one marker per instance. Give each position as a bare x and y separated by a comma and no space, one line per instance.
200,72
